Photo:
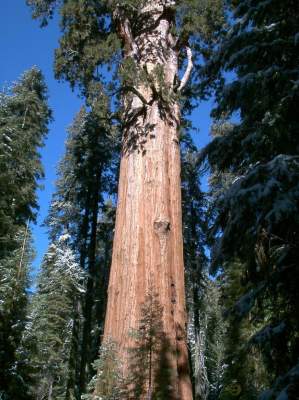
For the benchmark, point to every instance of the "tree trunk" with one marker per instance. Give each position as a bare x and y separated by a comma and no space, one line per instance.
50,391
72,386
90,286
148,244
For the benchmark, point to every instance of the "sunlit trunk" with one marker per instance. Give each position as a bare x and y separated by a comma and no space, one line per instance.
148,245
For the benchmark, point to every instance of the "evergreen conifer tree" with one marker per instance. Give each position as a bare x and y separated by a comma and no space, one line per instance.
108,383
256,222
193,205
24,115
244,371
86,177
48,334
14,275
214,337
149,368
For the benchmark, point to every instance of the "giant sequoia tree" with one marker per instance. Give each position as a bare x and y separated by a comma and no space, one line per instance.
145,46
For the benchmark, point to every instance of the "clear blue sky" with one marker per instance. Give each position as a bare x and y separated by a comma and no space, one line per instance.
24,44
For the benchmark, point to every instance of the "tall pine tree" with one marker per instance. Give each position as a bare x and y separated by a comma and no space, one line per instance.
193,207
80,207
48,335
256,220
24,115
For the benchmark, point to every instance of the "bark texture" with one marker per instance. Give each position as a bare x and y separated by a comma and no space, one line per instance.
148,244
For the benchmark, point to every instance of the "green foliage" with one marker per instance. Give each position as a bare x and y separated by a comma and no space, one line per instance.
24,116
87,170
254,200
149,371
193,207
108,383
255,215
200,20
244,366
255,49
14,282
214,332
195,260
47,338
87,176
91,40
88,41
43,8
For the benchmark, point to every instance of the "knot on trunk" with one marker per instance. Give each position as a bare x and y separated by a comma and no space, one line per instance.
162,227
180,334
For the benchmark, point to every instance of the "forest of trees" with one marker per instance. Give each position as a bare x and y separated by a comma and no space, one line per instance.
155,286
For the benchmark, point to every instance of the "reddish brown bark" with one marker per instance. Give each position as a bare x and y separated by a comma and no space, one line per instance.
148,245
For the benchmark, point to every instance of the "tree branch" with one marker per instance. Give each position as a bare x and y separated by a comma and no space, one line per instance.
24,119
132,89
125,31
188,70
23,249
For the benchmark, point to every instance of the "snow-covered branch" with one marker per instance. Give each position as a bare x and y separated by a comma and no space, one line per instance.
188,69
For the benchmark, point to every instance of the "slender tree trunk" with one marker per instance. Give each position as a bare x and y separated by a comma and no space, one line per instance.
89,295
19,273
50,392
148,244
72,391
83,235
74,384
